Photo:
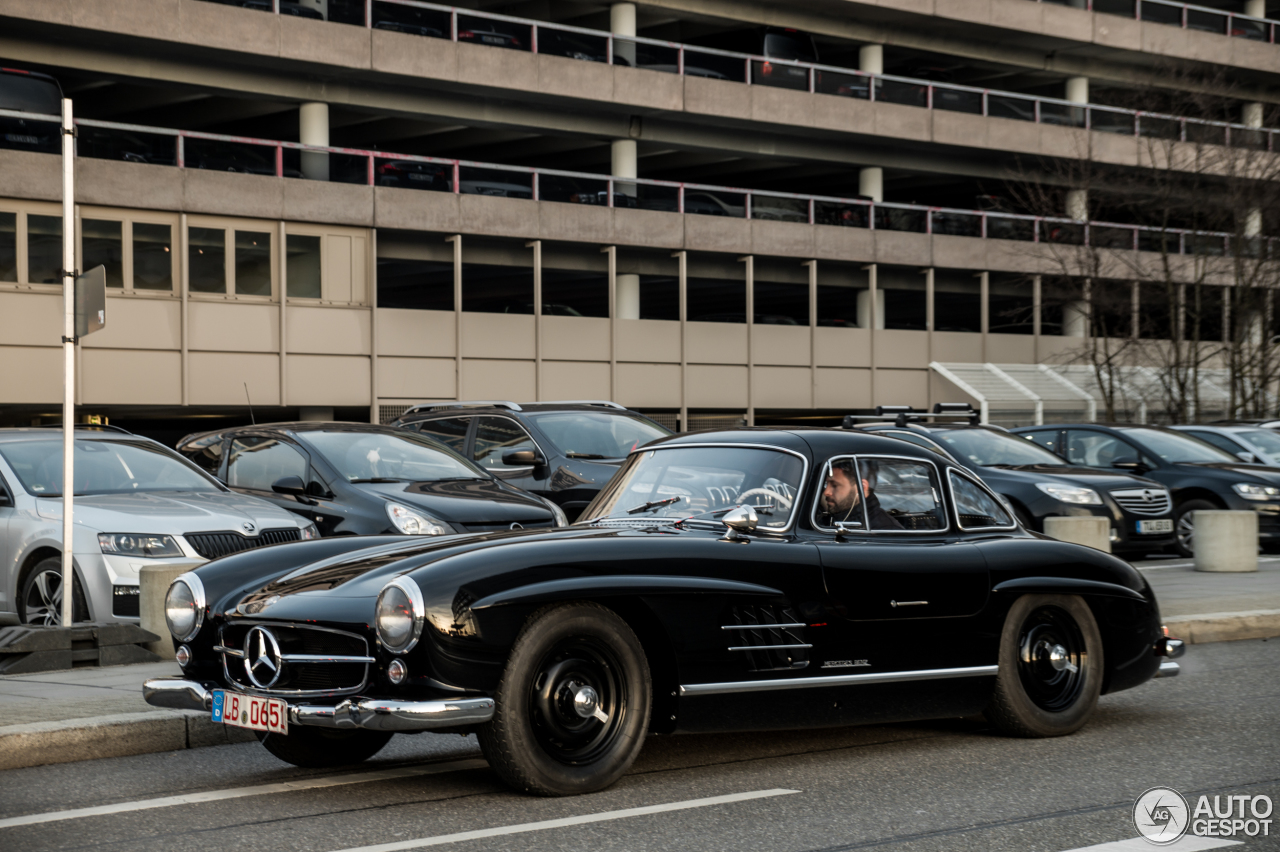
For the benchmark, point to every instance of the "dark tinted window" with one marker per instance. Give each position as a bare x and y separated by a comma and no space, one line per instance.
495,435
1222,442
975,507
1097,449
450,431
206,453
257,463
30,94
1046,439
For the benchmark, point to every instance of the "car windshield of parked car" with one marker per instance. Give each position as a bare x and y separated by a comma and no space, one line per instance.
385,456
103,467
678,482
1172,447
596,435
1263,439
986,448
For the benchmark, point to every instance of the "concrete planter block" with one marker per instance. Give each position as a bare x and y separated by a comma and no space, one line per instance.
153,585
1226,541
1089,530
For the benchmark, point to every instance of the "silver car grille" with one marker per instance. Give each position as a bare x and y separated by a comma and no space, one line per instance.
1144,501
301,659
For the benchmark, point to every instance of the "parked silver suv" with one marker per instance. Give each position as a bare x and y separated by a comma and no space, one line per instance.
136,503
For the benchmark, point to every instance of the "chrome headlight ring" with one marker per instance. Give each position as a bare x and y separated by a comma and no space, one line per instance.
417,611
199,604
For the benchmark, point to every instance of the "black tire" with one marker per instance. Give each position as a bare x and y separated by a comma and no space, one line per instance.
1034,696
539,741
1183,525
40,599
321,748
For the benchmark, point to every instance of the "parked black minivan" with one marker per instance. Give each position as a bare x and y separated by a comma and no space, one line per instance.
38,94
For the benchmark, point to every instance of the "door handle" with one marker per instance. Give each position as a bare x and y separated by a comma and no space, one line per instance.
908,603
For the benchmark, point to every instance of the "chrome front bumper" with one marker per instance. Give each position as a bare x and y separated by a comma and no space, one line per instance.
373,714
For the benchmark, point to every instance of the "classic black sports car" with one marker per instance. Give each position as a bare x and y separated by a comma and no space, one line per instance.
739,580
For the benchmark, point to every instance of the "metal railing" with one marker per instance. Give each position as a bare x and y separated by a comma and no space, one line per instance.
1186,15
273,158
504,31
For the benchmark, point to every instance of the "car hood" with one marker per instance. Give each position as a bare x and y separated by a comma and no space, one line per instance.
1269,475
1104,480
172,512
464,501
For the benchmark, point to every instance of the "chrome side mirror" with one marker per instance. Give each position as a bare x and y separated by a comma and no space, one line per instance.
1245,456
740,520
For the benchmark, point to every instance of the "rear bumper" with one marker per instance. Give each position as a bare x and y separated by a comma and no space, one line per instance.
373,714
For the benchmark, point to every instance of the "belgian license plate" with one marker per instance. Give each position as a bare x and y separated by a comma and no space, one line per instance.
1164,525
249,711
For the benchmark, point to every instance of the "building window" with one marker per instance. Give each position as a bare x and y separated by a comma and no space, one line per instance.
781,292
253,263
152,255
575,280
230,261
102,244
904,297
1011,304
957,301
716,288
207,260
44,249
302,266
842,289
8,247
497,276
329,264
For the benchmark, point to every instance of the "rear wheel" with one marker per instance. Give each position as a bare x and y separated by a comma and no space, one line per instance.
1051,667
573,705
1184,525
40,599
320,748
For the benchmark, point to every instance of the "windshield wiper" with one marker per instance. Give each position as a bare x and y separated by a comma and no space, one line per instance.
654,505
379,479
586,456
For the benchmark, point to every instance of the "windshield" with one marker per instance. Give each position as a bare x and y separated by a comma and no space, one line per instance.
1173,447
1263,439
384,456
678,482
984,448
103,467
594,434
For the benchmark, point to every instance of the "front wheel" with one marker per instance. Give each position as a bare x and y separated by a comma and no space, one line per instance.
1051,667
321,748
1184,525
41,596
572,708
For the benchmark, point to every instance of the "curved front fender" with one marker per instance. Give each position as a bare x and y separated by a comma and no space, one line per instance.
1066,586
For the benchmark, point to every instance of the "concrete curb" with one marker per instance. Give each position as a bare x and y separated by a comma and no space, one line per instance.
119,735
1225,626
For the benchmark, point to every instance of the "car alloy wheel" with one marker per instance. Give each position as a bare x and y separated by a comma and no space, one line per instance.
1186,530
41,596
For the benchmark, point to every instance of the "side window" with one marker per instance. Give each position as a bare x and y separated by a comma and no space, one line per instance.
880,494
975,508
1222,442
206,453
256,463
494,436
1047,439
918,440
450,431
1096,449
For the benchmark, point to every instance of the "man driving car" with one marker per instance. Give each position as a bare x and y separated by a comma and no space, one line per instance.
841,498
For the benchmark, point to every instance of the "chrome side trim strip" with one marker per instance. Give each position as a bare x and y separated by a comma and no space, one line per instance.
759,626
223,649
767,647
838,680
324,658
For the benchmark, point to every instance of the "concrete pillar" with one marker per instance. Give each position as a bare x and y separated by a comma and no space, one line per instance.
313,129
1075,319
871,58
871,183
625,166
1078,90
1078,204
153,585
1090,530
1255,8
622,22
864,309
1225,541
312,414
1252,117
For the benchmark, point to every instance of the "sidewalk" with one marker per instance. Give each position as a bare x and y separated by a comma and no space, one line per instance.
85,713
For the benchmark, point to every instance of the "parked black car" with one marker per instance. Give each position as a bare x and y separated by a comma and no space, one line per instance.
564,451
359,479
1199,475
1038,484
723,581
38,94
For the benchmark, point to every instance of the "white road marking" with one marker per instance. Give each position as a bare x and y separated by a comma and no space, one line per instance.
1187,843
479,834
241,792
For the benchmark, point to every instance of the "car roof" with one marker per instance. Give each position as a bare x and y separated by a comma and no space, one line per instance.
816,441
23,434
299,426
463,409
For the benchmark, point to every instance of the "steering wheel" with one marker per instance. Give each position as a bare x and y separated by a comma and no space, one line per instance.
773,495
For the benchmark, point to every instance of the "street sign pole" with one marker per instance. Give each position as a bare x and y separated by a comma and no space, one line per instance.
69,358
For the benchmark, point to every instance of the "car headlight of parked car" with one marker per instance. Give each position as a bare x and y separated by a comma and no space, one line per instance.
399,615
1070,493
411,522
184,607
309,532
1249,491
134,544
561,519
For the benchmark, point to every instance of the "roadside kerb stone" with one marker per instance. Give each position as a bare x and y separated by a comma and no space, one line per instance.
1089,530
1225,626
1225,541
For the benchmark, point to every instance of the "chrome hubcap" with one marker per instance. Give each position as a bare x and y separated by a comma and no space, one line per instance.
1186,530
586,703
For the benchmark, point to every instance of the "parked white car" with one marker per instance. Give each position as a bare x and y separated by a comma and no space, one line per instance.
136,503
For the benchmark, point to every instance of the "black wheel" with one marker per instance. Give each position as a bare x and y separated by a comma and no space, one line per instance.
573,704
1051,667
320,748
40,600
1184,525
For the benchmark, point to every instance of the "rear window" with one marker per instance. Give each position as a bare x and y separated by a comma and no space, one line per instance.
25,93
596,435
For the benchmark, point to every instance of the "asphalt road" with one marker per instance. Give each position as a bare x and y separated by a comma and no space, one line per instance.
951,785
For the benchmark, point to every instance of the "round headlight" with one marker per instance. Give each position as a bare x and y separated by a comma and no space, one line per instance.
184,607
400,612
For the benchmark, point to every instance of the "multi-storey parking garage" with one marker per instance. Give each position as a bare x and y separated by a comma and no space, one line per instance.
699,208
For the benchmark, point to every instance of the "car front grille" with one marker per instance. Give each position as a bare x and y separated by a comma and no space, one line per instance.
211,545
772,637
312,660
1144,501
498,526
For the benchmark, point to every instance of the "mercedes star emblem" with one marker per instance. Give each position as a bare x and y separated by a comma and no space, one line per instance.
262,661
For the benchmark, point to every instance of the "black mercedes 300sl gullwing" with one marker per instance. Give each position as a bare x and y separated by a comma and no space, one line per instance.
725,581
